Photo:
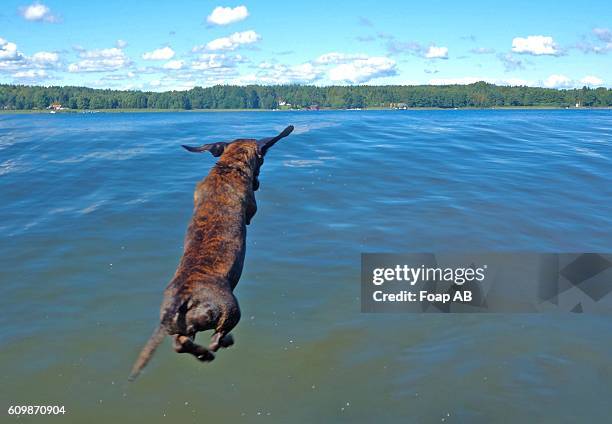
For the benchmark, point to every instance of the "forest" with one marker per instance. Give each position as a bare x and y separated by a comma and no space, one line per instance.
477,95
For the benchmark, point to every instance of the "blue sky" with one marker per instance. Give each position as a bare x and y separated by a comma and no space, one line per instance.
164,45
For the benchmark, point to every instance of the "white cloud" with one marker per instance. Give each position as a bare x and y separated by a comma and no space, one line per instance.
416,49
232,42
118,77
273,74
8,51
174,64
121,44
536,45
335,67
558,81
12,60
170,83
434,52
38,12
592,81
363,70
102,60
164,53
265,65
45,59
215,63
31,74
227,15
303,73
337,58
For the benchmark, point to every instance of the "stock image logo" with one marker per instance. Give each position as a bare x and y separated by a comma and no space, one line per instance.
486,282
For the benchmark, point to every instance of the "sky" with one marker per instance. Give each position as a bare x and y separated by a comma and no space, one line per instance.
176,45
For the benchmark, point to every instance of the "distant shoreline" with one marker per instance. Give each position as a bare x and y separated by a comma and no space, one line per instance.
232,98
94,111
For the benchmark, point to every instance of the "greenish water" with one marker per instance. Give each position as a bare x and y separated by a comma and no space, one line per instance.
93,210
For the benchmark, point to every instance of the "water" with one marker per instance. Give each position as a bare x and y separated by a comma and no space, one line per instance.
93,210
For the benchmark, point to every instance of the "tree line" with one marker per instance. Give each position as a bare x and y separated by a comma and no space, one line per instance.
480,94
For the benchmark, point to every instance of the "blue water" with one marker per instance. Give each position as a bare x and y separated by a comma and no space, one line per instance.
93,210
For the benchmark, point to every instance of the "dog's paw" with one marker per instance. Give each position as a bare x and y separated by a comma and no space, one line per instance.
206,357
226,341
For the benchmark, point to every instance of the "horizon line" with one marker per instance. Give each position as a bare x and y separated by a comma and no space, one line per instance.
561,89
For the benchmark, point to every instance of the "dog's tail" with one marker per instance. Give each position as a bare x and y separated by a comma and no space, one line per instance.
147,352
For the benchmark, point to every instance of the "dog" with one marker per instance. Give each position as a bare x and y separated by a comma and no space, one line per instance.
200,295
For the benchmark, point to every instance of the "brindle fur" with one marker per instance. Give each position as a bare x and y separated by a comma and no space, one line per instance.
200,295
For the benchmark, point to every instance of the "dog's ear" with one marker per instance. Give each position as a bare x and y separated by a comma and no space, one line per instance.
216,149
265,143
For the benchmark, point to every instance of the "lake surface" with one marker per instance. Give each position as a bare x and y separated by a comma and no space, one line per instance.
93,210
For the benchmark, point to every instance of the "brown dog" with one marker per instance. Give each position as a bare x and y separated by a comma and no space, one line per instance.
200,296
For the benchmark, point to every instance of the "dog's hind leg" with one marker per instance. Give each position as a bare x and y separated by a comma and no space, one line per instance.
220,340
184,344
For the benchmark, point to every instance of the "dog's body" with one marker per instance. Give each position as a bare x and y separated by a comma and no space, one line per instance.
200,295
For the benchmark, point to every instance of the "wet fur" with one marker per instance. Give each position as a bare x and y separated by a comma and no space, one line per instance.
200,295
